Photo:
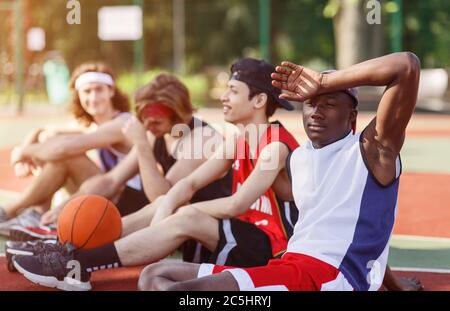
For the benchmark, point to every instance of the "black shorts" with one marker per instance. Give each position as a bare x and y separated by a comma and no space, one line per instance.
241,244
131,200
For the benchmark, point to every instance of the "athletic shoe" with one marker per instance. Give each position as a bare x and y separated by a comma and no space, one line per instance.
20,233
29,248
29,218
54,269
3,216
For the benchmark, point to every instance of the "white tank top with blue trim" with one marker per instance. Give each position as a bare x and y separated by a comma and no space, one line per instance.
345,216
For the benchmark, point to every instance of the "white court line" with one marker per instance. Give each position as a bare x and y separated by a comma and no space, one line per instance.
406,269
419,238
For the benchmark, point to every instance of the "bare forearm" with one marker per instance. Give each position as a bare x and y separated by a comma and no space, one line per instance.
48,151
179,194
219,208
154,183
103,184
381,71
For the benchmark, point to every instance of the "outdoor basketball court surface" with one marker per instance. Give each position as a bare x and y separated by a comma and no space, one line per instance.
420,245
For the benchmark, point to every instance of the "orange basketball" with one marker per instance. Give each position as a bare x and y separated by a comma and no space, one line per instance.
89,221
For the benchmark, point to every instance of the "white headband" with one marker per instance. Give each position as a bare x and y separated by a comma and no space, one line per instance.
93,77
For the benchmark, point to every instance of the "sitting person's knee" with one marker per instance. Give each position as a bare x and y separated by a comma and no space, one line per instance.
153,205
151,276
160,198
185,219
187,212
148,207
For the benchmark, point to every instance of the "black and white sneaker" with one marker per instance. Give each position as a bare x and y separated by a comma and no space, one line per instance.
54,269
29,248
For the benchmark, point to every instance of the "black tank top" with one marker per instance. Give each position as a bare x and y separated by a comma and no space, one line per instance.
218,189
162,156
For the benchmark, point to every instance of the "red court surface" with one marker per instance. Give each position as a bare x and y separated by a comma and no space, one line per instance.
420,205
124,279
8,181
430,281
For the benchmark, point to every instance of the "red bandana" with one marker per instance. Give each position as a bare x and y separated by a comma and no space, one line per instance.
156,110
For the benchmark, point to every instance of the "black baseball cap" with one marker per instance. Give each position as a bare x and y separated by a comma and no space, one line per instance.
257,73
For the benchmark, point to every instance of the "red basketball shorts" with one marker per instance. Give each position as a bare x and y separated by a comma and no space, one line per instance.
293,272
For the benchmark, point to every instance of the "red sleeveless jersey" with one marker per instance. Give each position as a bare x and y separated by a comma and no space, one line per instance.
267,213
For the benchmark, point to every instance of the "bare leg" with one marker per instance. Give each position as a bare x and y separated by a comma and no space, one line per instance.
53,176
140,219
70,186
223,281
80,169
161,275
160,240
393,283
183,277
43,206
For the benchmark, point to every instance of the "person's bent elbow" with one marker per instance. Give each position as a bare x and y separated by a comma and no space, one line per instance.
188,186
410,64
235,208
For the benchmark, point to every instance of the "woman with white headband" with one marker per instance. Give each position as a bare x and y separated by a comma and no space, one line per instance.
62,159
